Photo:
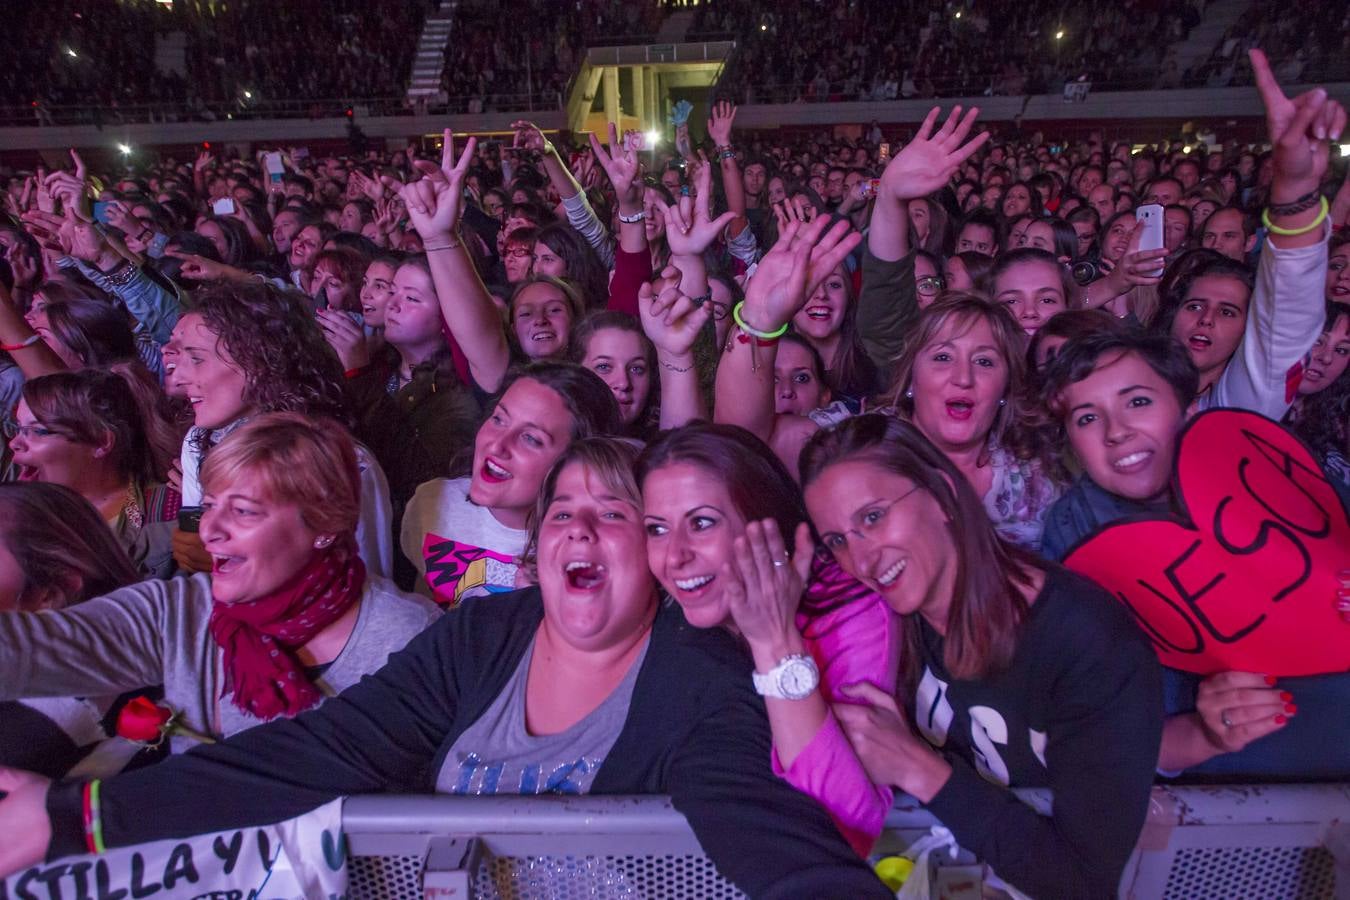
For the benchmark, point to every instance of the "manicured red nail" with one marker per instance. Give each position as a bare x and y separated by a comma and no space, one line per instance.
1280,720
1285,696
1270,680
1290,708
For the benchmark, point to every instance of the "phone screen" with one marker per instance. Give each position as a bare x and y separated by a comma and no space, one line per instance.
101,211
223,207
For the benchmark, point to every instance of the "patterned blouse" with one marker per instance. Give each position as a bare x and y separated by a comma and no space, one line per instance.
1019,497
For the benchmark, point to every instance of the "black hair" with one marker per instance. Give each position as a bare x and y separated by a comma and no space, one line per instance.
1081,356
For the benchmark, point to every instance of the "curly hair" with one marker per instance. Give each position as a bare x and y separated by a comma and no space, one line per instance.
277,344
1320,419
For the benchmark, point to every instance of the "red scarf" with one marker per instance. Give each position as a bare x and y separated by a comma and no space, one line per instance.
259,637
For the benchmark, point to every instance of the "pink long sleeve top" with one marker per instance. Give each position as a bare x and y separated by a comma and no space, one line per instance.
853,636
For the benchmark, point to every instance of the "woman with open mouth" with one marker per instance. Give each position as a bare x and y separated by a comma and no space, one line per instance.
584,684
247,349
106,436
464,535
287,616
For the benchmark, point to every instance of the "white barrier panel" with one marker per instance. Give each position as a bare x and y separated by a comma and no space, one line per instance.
1224,843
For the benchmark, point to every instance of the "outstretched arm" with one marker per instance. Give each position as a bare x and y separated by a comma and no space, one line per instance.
434,205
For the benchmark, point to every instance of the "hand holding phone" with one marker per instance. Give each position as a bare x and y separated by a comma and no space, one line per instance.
1150,219
223,207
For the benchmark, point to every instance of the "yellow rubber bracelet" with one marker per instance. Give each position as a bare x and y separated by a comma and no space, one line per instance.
762,335
1295,232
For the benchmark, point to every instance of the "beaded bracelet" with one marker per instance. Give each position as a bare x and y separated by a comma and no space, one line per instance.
761,335
634,218
1293,208
1295,232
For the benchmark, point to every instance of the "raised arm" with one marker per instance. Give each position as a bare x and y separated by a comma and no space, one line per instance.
434,205
691,229
804,255
672,321
719,129
887,303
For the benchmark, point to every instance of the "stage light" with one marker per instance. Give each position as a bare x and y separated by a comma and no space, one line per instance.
958,13
653,138
1059,35
70,51
125,148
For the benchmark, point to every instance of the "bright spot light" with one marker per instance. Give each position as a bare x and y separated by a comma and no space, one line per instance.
653,138
1345,149
1186,149
1059,35
958,13
764,28
125,148
71,53
248,95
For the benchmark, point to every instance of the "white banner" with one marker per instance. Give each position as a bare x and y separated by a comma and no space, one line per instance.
300,859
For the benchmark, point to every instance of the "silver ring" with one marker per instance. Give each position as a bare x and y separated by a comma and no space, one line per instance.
1223,717
779,563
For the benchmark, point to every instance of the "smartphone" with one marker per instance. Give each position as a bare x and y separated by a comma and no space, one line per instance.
884,153
190,519
101,211
274,166
321,299
1150,219
223,206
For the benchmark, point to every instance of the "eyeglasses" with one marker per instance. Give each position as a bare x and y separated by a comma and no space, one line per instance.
718,310
865,520
13,429
930,285
518,252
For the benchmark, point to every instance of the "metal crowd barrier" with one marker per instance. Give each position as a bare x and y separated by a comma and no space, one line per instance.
1285,842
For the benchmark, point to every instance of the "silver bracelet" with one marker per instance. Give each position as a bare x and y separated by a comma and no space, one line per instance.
634,218
674,368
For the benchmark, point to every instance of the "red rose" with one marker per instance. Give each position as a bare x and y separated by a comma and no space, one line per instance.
146,722
143,720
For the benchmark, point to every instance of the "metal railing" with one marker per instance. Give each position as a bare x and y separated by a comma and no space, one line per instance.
39,115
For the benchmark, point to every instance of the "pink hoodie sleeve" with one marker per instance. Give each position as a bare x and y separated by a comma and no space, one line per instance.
856,639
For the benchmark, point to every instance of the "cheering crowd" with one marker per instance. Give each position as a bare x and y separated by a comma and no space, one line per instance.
741,476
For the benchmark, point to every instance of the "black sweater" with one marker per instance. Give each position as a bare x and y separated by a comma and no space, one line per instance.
1079,711
695,730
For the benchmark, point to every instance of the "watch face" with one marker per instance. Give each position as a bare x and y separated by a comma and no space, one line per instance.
798,680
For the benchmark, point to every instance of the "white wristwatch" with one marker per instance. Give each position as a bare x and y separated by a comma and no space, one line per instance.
794,678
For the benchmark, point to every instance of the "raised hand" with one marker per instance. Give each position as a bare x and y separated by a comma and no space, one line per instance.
671,320
620,163
204,160
198,268
1301,131
723,115
690,228
1137,267
764,587
529,137
803,257
434,201
346,338
930,160
120,217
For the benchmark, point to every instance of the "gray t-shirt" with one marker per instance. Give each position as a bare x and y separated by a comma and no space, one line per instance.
496,755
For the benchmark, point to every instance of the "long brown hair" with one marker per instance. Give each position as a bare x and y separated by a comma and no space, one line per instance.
60,543
988,606
88,406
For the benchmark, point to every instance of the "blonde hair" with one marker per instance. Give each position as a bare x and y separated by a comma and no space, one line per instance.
305,461
960,310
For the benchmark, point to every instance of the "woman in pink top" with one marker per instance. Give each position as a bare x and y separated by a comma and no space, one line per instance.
717,504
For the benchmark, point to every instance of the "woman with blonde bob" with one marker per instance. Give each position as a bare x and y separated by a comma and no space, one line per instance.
960,382
287,616
582,684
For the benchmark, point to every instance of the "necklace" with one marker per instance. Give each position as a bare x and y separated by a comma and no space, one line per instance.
132,509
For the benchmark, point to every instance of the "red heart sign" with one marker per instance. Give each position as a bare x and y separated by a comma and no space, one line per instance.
1246,578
